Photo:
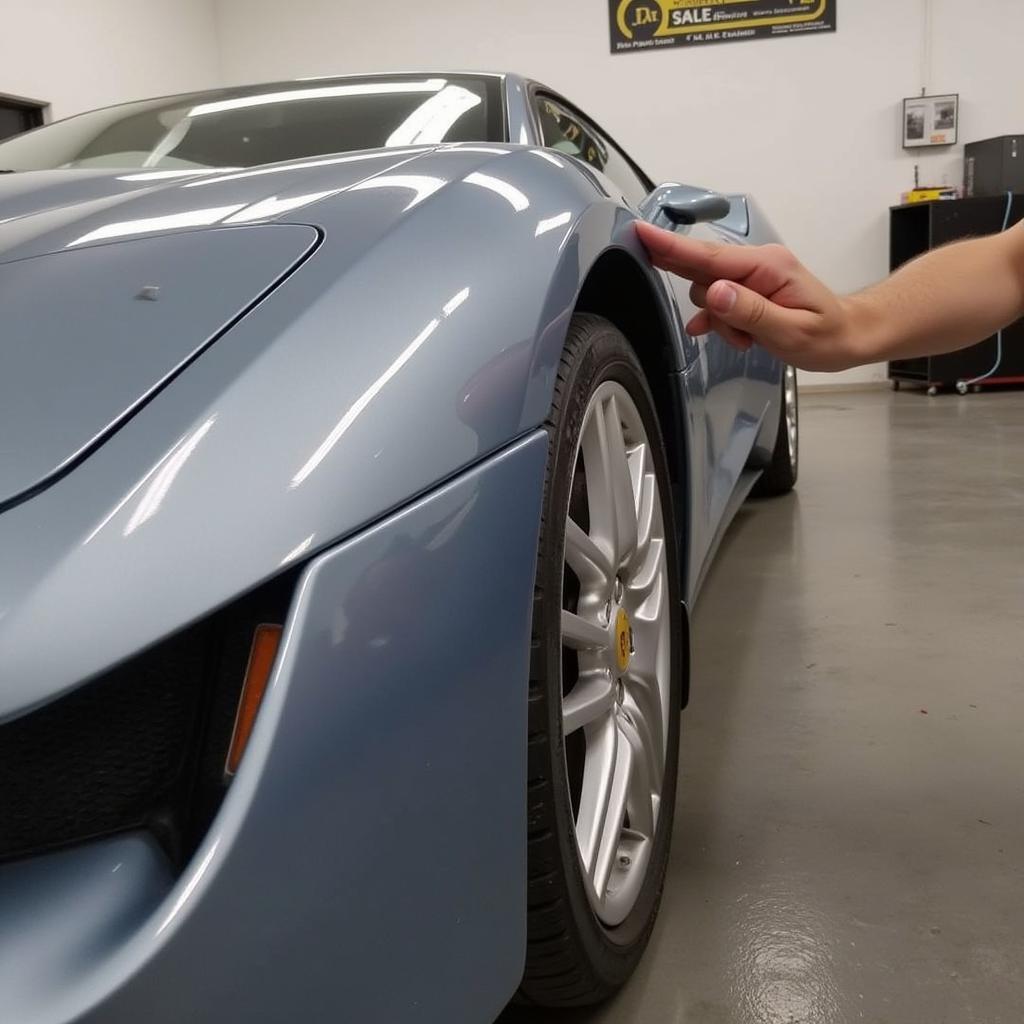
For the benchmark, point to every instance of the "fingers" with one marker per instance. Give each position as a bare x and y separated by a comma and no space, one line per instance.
750,313
757,295
700,262
704,323
742,316
700,324
736,338
730,284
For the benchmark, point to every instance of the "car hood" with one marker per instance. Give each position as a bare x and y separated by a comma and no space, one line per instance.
105,287
44,212
422,335
89,336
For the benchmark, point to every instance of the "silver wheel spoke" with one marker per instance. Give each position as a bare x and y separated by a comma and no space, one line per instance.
582,634
645,666
586,558
647,493
592,697
594,446
649,596
638,469
598,775
639,791
615,813
622,486
644,705
648,575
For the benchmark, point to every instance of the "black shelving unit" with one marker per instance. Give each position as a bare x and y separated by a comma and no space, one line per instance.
914,229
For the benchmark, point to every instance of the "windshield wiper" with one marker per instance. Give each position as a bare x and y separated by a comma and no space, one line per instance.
8,172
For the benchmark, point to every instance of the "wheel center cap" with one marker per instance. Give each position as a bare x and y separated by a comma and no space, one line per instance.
623,640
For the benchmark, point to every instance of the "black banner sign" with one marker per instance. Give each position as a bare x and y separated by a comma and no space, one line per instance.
651,24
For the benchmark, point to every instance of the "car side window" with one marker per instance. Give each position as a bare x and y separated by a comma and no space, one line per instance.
568,133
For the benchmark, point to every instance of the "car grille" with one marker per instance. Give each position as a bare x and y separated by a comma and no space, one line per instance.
143,746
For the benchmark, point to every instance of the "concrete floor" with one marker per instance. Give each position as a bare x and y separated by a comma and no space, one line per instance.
849,839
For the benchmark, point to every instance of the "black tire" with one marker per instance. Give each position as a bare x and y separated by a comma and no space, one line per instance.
781,475
572,958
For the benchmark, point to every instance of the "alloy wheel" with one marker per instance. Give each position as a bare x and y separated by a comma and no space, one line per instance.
616,640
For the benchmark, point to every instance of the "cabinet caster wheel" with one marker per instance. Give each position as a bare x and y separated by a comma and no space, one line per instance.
895,385
961,387
976,389
933,391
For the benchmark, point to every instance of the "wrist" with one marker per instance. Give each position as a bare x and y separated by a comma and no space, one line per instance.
862,336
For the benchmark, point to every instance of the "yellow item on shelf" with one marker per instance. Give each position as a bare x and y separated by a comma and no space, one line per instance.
928,195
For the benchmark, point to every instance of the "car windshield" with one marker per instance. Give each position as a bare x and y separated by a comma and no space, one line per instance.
244,127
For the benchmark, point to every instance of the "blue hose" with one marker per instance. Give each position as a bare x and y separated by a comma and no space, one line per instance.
964,384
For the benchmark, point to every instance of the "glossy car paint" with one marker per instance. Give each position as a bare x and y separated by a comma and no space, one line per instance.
415,344
126,339
731,401
394,736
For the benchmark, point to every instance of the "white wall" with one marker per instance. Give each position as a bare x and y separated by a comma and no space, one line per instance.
80,54
809,124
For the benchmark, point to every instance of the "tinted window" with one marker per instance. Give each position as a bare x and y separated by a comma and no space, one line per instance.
267,124
565,131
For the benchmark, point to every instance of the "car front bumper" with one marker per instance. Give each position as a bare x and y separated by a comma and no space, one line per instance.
368,862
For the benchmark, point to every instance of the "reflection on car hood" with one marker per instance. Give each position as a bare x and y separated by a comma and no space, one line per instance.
88,335
50,211
107,287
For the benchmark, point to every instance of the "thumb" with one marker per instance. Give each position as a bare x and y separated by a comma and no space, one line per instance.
748,311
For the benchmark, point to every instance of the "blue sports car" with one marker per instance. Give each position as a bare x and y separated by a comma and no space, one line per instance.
356,476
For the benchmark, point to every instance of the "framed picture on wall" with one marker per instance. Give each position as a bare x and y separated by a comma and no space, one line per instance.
18,114
930,121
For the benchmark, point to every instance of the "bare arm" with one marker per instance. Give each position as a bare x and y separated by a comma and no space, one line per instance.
944,300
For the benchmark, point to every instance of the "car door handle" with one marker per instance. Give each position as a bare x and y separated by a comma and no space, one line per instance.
672,205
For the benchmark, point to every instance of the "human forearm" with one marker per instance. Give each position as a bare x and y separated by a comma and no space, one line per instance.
942,301
763,295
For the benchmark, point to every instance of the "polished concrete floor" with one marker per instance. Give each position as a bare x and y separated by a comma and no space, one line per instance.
849,840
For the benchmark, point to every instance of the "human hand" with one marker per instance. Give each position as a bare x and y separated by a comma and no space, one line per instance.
759,294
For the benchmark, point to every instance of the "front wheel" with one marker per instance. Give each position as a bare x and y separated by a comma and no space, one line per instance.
605,687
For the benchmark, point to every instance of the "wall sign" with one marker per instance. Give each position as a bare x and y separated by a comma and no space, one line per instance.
930,121
650,24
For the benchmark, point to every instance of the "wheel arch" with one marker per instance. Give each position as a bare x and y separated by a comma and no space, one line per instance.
617,288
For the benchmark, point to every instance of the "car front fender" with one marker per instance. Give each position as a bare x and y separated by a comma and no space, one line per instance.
423,335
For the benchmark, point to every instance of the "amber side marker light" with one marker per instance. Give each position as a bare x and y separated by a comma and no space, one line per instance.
265,642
